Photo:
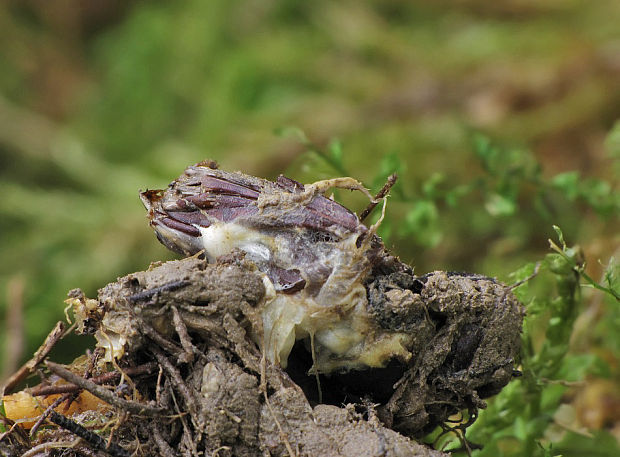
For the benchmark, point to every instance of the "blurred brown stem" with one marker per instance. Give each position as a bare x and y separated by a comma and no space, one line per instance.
102,393
380,195
56,334
14,334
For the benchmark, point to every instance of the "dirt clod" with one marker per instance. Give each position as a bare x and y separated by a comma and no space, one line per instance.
297,334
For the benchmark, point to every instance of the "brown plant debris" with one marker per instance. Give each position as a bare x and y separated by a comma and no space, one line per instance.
289,330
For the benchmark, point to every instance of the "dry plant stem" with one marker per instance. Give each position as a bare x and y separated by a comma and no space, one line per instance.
172,348
90,437
147,368
252,360
176,380
48,446
162,444
14,429
54,336
54,390
122,417
184,337
380,195
190,446
46,413
158,387
14,333
263,388
150,293
524,280
103,393
216,453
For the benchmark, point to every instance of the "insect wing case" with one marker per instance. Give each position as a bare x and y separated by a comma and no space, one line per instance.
329,279
314,255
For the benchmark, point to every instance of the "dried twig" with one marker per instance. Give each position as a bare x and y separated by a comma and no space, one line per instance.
184,337
41,419
112,376
54,336
91,438
41,448
162,444
150,293
381,194
176,380
14,333
524,280
103,393
153,334
190,445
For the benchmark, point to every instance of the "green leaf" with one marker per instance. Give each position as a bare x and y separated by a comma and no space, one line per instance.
560,235
292,132
335,151
429,187
499,205
612,275
612,142
568,183
422,222
575,367
602,444
453,195
485,151
523,290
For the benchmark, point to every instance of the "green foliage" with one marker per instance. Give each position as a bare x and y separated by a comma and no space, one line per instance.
94,110
520,420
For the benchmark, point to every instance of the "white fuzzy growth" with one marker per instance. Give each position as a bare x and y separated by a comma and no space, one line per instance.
221,238
336,316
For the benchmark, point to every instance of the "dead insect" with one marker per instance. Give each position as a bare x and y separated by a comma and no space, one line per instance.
437,342
314,253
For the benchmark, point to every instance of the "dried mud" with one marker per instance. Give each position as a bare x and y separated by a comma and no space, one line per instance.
200,323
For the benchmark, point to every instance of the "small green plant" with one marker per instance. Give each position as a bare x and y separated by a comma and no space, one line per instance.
523,420
522,416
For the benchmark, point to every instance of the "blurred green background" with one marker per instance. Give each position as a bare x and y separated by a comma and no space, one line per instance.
498,116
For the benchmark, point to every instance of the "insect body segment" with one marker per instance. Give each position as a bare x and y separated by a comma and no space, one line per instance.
314,253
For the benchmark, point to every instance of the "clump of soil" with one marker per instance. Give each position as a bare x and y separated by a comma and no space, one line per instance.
218,395
468,335
303,336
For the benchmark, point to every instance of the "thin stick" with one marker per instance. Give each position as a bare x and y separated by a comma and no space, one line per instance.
91,438
150,293
14,332
54,336
105,378
39,449
190,445
186,341
40,420
380,195
176,380
104,394
162,444
263,388
524,280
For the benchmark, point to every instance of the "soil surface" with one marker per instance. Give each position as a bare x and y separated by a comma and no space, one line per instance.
215,393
